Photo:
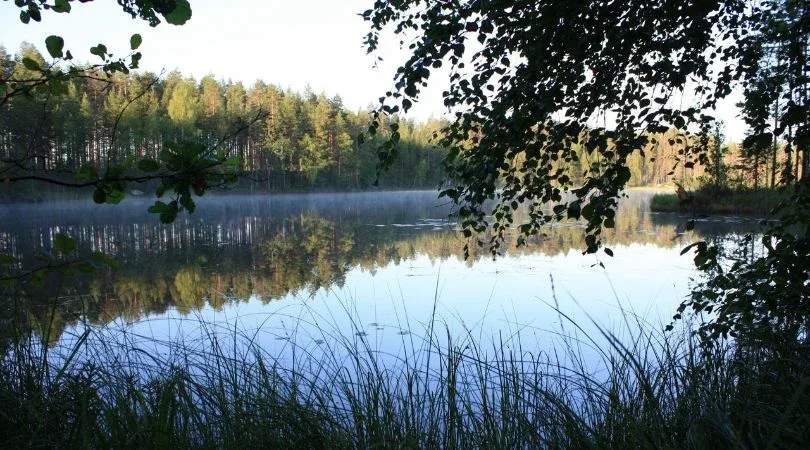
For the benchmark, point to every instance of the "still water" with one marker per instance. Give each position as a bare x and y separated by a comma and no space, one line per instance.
379,268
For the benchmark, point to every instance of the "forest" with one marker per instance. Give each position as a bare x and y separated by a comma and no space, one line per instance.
285,140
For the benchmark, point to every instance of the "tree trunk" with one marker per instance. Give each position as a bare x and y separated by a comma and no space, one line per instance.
775,143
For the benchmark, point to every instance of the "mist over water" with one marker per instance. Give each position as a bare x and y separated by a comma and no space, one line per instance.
376,267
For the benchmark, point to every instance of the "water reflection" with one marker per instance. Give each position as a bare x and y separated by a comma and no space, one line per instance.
257,250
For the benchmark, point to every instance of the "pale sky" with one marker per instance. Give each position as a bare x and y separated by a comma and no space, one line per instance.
288,43
283,42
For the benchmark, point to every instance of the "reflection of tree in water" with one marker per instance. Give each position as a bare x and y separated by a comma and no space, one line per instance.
217,262
188,291
307,253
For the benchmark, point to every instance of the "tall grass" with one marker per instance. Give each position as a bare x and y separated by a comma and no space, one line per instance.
642,389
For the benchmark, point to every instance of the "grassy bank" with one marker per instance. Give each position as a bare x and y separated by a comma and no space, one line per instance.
651,390
707,201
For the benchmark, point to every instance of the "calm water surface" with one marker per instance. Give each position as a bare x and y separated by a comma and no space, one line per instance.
375,267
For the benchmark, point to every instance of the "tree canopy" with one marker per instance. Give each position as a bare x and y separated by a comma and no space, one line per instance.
531,80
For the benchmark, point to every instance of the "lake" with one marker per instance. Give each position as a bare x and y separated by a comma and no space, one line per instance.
296,273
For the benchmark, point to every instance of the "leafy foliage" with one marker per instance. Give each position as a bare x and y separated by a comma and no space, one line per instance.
756,292
191,170
183,168
55,80
531,81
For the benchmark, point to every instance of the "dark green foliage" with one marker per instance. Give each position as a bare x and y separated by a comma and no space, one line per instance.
760,292
529,79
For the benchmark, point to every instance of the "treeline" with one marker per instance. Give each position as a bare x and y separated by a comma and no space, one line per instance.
285,139
726,165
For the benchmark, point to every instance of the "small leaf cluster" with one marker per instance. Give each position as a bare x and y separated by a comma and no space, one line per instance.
188,169
175,12
184,169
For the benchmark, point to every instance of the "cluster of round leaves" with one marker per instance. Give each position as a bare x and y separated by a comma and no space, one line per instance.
175,12
188,168
184,169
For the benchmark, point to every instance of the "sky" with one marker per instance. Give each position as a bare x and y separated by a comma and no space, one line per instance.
293,44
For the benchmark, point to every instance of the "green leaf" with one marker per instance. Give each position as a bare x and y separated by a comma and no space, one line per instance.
181,13
609,252
64,244
169,213
689,247
30,64
135,41
99,50
587,211
188,203
574,210
61,6
24,17
6,259
158,207
55,44
33,11
99,196
115,196
148,165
